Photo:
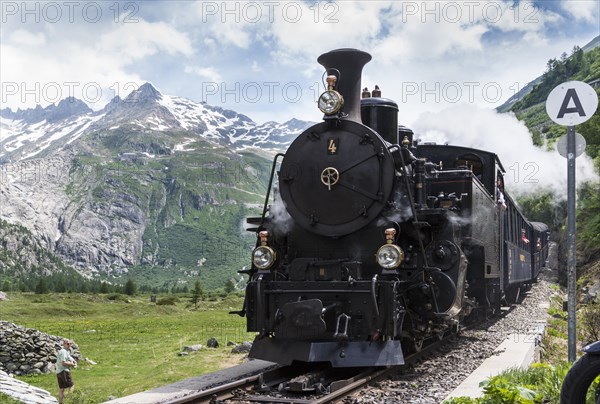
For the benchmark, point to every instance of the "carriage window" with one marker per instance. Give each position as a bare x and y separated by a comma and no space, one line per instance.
472,162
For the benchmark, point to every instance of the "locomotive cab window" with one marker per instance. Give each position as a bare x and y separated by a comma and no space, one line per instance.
472,162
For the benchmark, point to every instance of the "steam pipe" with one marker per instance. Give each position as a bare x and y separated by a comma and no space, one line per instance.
266,204
374,294
347,64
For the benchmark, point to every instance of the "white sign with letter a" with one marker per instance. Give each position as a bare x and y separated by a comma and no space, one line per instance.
571,103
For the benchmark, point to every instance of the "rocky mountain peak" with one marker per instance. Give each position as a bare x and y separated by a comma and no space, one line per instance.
295,124
146,94
7,113
113,104
66,108
142,107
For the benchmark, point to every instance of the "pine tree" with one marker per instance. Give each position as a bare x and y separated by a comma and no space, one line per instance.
229,286
196,294
41,287
130,287
104,287
59,286
6,286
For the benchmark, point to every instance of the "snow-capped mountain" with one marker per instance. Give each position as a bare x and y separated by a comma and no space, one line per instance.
151,180
35,132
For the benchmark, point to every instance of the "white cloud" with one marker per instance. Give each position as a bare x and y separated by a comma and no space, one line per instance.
432,30
326,26
443,39
131,42
256,67
586,10
209,73
524,17
25,38
225,23
68,65
427,43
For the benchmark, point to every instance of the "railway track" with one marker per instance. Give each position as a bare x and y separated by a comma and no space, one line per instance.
298,384
265,382
261,389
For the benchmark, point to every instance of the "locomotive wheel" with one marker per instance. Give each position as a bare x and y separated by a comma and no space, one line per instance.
579,379
417,345
412,345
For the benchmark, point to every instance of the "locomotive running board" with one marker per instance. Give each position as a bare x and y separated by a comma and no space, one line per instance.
339,354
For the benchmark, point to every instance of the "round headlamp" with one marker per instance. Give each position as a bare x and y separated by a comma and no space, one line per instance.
330,102
390,256
263,257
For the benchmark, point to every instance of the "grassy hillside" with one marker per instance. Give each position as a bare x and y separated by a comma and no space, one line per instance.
193,203
135,344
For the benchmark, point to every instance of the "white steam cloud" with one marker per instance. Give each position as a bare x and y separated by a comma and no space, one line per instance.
282,221
402,210
529,169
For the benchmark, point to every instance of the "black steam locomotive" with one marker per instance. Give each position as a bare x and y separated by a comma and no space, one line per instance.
373,244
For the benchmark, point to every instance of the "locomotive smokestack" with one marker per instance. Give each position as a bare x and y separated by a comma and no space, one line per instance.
347,64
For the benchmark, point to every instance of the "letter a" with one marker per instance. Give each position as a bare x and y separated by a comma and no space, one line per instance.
571,94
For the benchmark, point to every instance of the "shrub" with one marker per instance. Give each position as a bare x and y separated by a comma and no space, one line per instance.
117,297
540,383
167,301
130,288
590,323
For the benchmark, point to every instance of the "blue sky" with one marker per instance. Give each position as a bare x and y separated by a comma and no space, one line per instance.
259,57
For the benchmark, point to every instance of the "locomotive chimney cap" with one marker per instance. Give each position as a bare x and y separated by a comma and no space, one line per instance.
347,65
357,53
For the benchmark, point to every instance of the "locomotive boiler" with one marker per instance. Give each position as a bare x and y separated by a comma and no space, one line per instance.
369,245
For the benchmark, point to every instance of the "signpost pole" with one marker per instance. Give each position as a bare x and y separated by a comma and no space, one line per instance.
571,260
570,104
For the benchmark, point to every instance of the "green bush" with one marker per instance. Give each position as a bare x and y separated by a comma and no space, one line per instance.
588,219
167,301
540,383
590,323
117,297
130,287
502,390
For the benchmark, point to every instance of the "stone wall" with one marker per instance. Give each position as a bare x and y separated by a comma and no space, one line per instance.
26,351
24,392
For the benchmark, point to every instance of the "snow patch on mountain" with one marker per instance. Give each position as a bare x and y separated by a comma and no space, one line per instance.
26,134
83,128
182,146
37,137
191,115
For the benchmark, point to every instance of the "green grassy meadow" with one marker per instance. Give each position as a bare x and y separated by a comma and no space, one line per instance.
135,344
